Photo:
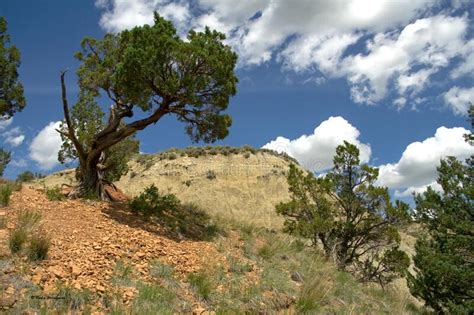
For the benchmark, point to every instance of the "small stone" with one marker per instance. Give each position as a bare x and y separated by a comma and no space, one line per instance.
75,270
7,301
199,311
296,276
100,288
10,291
36,279
140,254
57,271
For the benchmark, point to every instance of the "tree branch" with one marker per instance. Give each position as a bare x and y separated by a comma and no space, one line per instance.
70,126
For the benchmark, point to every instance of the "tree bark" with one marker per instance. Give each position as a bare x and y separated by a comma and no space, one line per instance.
92,181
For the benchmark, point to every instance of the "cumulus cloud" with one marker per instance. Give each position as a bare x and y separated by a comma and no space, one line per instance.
316,151
124,14
5,122
459,99
45,146
406,42
429,43
416,169
14,137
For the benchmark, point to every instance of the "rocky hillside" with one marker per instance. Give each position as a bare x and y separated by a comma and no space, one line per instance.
242,183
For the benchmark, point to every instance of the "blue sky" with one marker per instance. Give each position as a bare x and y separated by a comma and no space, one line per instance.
395,76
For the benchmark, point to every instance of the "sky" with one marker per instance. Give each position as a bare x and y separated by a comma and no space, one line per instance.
394,77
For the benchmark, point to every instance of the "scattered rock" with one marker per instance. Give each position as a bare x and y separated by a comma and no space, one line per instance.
100,288
296,276
7,302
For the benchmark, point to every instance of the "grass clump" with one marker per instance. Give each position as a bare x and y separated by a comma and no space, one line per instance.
54,194
28,219
17,239
160,270
156,299
73,300
122,273
38,247
202,284
5,193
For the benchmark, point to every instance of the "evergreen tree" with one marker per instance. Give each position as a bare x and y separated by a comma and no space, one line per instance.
444,259
12,99
353,220
150,69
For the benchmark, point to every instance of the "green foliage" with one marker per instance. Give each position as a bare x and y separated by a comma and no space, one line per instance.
353,220
11,91
157,299
186,219
54,194
444,265
202,284
26,177
38,247
5,193
17,239
196,76
211,175
5,158
152,203
28,220
161,271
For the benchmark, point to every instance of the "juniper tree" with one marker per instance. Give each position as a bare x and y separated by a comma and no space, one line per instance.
150,69
353,220
88,120
12,99
444,259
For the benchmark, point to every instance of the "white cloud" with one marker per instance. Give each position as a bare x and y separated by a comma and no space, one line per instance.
466,67
408,192
4,122
430,43
125,14
316,151
14,137
18,163
45,146
405,46
459,99
416,169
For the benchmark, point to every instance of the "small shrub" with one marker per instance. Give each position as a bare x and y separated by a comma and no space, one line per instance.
72,299
161,270
172,156
211,175
246,155
28,219
201,283
3,222
133,174
17,239
122,273
26,177
156,299
54,194
38,247
152,203
5,193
